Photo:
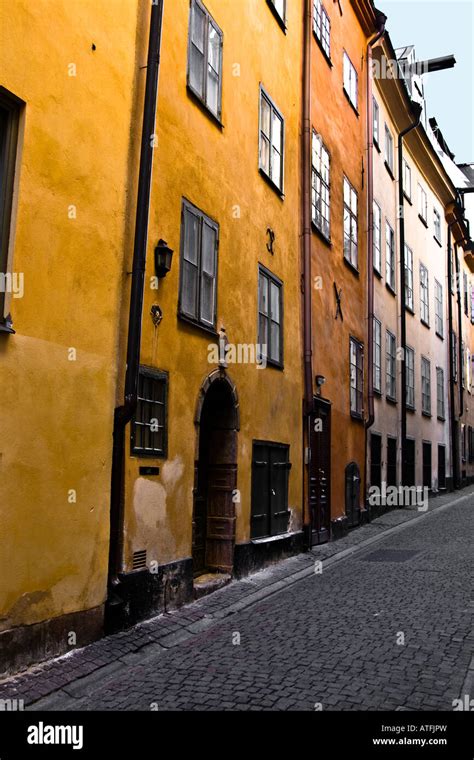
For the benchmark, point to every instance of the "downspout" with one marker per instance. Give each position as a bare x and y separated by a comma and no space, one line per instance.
452,408
306,245
381,20
403,326
123,414
460,318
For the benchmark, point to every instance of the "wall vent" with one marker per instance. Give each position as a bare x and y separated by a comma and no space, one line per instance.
139,559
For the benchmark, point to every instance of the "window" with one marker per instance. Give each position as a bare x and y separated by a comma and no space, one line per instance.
272,139
377,238
453,270
198,276
454,357
320,199
437,224
388,149
409,303
439,321
390,366
279,7
422,205
205,58
149,425
270,471
466,294
472,305
350,224
357,378
270,324
425,386
463,364
322,27
463,442
406,180
390,256
350,80
424,295
440,411
376,122
377,349
410,377
391,461
9,118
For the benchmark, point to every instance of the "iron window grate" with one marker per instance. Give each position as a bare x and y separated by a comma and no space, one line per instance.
139,559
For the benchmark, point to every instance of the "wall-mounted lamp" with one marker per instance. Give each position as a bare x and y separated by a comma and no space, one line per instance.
320,380
163,258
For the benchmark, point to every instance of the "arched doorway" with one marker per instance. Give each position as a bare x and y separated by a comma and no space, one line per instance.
217,418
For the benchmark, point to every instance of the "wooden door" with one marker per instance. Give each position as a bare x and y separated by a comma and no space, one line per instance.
320,472
221,485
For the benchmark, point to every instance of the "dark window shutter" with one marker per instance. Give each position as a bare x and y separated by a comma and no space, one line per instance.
280,467
260,495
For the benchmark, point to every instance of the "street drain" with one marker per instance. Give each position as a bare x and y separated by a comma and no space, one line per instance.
391,555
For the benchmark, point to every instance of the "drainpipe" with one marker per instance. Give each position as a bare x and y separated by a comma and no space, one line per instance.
306,241
417,109
460,356
381,19
123,414
452,408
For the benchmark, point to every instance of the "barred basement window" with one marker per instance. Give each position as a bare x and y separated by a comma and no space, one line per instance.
272,140
439,321
350,224
149,429
425,386
377,238
410,377
424,295
390,256
322,26
321,187
198,271
409,278
391,372
357,377
440,411
377,349
205,58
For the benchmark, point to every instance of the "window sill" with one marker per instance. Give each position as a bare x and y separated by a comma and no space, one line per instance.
407,198
391,400
354,108
278,537
352,268
376,145
7,329
272,184
281,21
391,290
194,323
441,337
274,365
139,454
411,409
320,46
425,324
321,234
437,241
441,419
427,414
377,393
389,170
423,220
204,108
410,310
377,273
357,417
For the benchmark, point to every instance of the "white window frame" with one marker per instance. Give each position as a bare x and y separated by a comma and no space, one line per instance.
321,186
388,152
409,293
377,355
407,179
350,80
422,204
410,377
425,386
350,224
377,238
390,366
322,27
207,65
424,295
439,317
263,137
390,257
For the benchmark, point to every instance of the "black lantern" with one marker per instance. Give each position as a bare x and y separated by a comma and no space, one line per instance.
163,258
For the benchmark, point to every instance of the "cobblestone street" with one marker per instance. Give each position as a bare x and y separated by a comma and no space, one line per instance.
386,625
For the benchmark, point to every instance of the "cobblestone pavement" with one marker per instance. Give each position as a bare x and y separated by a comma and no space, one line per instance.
386,624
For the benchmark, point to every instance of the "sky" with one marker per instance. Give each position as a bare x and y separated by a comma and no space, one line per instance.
437,28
